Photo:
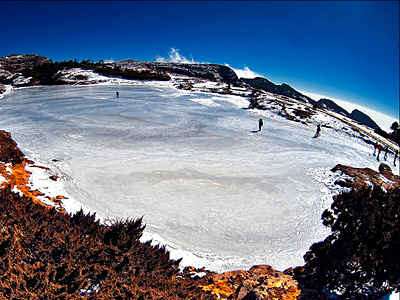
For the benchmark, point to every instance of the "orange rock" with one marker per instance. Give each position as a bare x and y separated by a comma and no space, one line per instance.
231,275
245,288
220,287
260,282
262,270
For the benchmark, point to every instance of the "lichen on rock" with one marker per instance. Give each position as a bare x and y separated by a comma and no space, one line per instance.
260,282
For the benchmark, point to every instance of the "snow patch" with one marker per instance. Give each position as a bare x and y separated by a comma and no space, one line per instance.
204,101
8,89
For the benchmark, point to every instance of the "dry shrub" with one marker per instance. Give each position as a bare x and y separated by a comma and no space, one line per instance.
50,255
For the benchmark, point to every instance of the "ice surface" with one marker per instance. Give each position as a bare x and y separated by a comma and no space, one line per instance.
211,187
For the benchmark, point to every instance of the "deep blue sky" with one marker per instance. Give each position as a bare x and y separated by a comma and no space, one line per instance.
345,50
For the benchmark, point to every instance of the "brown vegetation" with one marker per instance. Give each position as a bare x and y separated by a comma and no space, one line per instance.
48,255
9,152
360,259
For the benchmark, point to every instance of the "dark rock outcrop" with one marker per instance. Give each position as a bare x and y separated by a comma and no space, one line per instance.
283,89
207,71
13,66
17,63
356,115
364,177
362,118
128,73
332,106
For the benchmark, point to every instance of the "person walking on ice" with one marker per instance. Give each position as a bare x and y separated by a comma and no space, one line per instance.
117,94
260,124
318,133
379,151
375,147
386,152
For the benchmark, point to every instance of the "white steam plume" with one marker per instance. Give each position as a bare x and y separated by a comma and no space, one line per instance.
245,72
175,56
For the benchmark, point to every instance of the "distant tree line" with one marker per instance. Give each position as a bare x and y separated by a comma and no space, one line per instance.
131,73
46,74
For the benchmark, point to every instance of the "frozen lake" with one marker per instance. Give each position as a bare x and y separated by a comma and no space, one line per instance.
218,193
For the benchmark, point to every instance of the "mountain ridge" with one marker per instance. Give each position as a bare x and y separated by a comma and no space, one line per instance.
207,71
356,115
283,89
13,71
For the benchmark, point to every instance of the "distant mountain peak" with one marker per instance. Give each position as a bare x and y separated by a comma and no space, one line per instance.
361,117
356,115
333,106
283,89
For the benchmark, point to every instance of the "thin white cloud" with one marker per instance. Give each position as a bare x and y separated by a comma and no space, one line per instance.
110,60
245,72
383,121
174,55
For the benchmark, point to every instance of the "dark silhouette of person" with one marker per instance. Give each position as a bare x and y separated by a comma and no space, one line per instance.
386,153
260,124
318,133
395,157
117,94
379,151
375,147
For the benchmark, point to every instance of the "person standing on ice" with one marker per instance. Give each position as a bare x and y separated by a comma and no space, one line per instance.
379,151
375,147
117,94
260,124
395,157
318,133
386,153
